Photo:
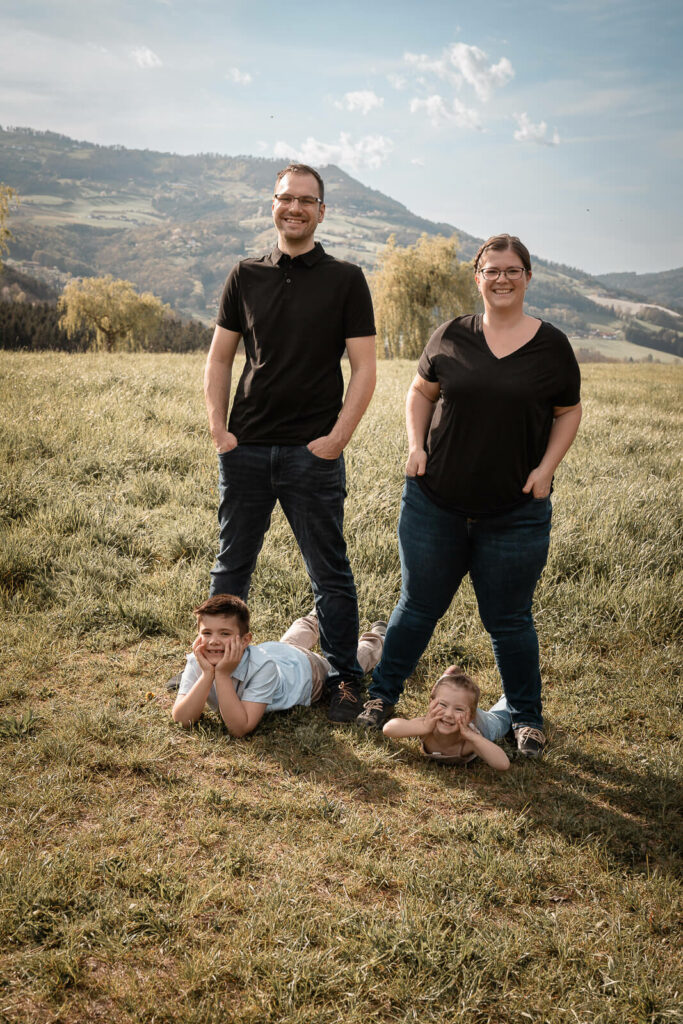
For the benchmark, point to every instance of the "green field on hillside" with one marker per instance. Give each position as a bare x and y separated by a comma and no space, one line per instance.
312,874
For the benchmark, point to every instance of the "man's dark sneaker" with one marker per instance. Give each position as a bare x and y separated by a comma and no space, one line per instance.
379,627
344,702
174,682
375,713
530,741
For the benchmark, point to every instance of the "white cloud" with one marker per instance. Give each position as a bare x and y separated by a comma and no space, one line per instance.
145,58
240,77
399,82
369,151
365,101
462,64
418,161
440,112
527,131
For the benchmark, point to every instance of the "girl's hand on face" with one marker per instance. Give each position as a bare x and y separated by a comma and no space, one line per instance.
199,651
462,725
232,655
434,715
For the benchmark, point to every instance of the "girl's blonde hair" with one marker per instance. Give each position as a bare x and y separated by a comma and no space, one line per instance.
456,676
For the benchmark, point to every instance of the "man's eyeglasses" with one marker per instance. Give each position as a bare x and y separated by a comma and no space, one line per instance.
308,201
492,274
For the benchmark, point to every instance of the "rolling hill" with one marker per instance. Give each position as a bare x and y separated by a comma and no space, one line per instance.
176,224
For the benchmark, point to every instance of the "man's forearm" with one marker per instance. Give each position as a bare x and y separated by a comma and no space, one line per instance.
357,399
217,381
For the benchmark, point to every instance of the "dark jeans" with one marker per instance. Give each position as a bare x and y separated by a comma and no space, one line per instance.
504,556
311,492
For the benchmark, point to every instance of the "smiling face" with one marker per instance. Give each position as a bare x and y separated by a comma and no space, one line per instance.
502,294
215,630
456,705
296,222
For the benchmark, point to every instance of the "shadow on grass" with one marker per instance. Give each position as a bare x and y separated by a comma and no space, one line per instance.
302,742
632,813
635,815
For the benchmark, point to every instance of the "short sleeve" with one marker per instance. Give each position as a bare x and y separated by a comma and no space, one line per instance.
262,686
191,674
229,310
569,382
359,317
426,366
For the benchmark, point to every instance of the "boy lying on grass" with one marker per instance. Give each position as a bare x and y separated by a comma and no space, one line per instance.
242,680
448,730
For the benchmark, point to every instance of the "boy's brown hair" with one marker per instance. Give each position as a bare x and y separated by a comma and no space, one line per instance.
456,676
228,605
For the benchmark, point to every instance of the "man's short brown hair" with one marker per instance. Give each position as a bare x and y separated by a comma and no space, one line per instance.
228,605
302,169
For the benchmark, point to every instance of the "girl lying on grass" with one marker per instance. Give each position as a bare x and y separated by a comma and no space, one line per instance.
454,730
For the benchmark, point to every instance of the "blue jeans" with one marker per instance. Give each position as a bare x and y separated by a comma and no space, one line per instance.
504,556
311,492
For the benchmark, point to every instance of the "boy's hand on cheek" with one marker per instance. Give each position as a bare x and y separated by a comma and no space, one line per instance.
232,655
199,652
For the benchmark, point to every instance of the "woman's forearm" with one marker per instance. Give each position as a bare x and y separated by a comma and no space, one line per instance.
562,434
419,413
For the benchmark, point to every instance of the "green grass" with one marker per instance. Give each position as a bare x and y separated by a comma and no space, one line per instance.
312,873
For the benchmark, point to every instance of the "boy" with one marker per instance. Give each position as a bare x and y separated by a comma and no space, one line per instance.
242,681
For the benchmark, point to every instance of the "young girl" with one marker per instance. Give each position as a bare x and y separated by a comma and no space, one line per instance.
448,731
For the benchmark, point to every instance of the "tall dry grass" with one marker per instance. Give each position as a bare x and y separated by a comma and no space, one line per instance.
313,873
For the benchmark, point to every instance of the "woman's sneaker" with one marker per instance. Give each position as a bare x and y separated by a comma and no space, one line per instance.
530,741
375,713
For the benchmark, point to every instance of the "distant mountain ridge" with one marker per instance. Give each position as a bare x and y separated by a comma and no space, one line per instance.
664,288
175,225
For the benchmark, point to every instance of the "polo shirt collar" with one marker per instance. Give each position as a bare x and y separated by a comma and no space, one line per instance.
308,258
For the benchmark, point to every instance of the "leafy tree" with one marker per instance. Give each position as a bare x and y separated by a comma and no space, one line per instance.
120,318
417,287
7,194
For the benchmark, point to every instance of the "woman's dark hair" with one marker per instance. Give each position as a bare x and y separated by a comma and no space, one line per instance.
499,243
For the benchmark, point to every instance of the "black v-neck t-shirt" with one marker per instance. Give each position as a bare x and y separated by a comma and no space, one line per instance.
493,417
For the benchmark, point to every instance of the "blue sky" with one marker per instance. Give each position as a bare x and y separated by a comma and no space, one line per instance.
558,121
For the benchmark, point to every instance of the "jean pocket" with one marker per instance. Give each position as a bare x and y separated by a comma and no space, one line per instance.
319,458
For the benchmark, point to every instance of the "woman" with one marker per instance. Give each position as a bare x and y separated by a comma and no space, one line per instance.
490,415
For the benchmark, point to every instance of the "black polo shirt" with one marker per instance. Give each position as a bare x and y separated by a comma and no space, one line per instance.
493,417
294,316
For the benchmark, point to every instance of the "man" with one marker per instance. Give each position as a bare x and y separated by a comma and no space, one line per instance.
297,309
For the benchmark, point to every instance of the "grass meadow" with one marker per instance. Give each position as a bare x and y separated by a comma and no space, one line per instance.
312,874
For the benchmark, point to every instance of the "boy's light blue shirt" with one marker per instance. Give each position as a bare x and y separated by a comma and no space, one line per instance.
271,673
